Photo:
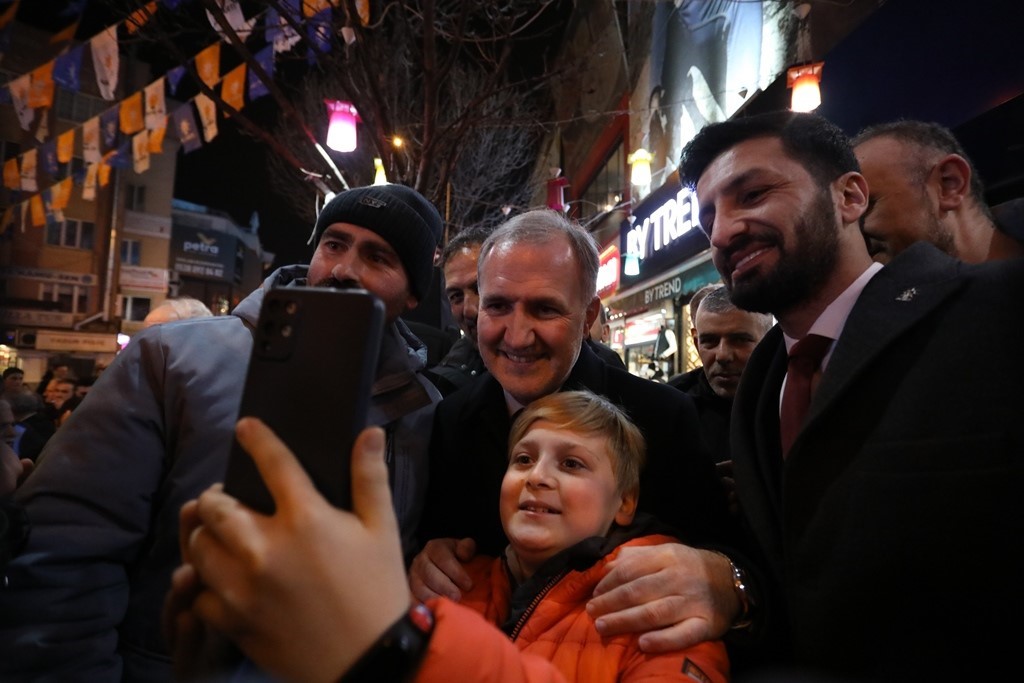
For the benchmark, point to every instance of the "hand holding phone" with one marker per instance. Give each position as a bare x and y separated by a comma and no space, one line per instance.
312,366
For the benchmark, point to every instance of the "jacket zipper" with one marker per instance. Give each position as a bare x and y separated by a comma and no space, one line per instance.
536,601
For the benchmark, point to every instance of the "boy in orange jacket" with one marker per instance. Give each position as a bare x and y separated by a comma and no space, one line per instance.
568,505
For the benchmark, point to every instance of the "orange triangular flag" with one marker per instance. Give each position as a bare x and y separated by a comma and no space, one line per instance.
12,175
140,17
232,89
156,140
208,65
66,146
40,90
38,211
131,114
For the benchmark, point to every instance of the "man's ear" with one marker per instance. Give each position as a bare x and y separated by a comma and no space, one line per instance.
593,310
627,509
853,201
953,176
411,303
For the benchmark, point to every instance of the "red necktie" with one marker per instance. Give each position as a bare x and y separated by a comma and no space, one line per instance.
804,360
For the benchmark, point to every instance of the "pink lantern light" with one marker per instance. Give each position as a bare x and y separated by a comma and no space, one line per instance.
341,131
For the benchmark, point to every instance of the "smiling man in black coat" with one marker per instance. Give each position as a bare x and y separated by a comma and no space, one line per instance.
537,279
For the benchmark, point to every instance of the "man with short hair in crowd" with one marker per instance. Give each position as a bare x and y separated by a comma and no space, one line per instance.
923,186
724,337
14,382
459,264
538,299
84,598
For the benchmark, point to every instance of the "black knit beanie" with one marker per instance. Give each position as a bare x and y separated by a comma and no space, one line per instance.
400,215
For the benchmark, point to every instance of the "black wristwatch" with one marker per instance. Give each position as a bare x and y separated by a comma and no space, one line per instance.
397,653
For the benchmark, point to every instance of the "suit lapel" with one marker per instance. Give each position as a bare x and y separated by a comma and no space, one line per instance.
755,442
896,299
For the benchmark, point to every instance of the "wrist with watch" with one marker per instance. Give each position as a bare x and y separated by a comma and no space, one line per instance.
741,586
397,653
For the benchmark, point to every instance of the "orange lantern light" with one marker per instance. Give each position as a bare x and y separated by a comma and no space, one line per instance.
805,83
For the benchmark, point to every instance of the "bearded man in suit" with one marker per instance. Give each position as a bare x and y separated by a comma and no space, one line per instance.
888,523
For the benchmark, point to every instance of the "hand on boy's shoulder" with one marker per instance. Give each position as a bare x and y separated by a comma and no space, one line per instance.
675,595
437,570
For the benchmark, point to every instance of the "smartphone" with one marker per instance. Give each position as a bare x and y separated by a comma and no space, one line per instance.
313,362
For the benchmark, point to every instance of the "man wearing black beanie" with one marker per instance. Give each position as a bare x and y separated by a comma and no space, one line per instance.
156,432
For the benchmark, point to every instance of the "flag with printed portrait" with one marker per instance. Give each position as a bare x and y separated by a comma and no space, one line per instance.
174,77
131,113
265,58
108,128
106,61
29,168
66,146
67,69
40,93
140,152
185,128
89,184
48,157
319,29
232,88
19,89
208,65
156,138
279,30
91,140
207,115
156,105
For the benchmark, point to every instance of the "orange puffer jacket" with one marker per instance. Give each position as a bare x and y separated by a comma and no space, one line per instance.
552,624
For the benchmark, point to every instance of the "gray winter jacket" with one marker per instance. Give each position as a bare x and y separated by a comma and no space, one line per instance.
83,600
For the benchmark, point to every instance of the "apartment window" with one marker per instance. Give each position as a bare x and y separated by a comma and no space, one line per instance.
78,106
131,252
135,197
72,298
135,307
71,233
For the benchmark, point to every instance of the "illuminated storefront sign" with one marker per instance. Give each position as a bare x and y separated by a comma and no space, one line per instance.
666,224
608,272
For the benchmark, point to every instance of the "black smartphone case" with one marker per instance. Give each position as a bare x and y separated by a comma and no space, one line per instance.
313,362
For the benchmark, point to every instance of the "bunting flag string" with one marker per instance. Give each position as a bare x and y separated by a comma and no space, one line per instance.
142,117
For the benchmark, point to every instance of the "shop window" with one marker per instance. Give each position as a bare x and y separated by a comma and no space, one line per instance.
131,252
71,233
70,298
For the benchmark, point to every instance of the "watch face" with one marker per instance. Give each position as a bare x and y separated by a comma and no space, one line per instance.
421,617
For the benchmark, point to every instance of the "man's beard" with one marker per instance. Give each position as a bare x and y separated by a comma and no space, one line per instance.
800,270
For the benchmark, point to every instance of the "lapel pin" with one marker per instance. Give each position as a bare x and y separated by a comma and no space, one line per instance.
907,295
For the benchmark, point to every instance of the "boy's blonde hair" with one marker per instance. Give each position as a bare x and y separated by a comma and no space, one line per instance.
587,413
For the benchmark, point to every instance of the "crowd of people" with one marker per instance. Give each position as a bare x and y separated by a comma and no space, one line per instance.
827,498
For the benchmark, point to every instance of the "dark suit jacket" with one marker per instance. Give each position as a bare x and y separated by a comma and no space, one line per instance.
469,458
894,527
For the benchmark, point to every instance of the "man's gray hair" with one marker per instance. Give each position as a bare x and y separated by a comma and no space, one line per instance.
717,301
542,226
